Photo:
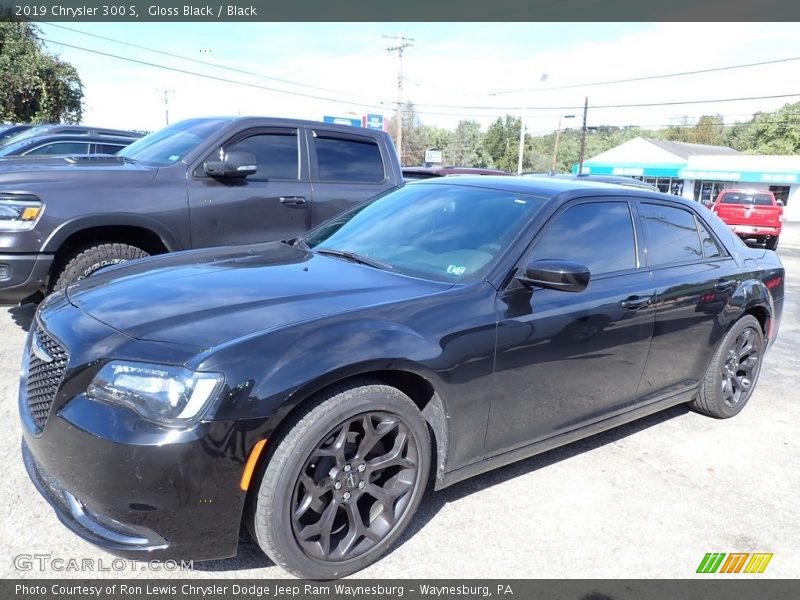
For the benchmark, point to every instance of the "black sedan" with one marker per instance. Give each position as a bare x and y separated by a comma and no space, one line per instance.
308,388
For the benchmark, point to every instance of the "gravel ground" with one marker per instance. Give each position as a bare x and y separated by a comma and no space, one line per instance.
645,500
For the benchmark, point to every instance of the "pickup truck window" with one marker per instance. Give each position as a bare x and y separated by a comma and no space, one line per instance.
672,235
341,159
736,198
169,145
277,155
57,148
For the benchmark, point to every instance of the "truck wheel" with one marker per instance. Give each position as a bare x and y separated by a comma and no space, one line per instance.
92,259
734,370
343,482
772,243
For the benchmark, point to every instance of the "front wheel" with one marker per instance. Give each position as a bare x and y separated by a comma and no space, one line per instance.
734,370
343,483
91,259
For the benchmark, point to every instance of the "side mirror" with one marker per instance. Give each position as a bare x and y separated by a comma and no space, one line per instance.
235,165
563,275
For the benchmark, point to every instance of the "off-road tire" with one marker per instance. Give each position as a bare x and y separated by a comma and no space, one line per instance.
92,259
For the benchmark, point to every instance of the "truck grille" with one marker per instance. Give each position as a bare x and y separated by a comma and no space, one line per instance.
44,377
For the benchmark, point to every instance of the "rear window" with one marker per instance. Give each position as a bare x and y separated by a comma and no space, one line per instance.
742,198
345,159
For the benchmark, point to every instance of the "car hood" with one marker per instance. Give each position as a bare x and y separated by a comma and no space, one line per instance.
207,297
64,168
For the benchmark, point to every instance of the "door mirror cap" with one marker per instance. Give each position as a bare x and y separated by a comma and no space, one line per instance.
235,165
563,275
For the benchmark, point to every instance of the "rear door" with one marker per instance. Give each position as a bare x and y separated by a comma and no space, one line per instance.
567,359
273,204
346,168
694,279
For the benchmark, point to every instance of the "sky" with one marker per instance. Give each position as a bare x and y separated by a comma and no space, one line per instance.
450,69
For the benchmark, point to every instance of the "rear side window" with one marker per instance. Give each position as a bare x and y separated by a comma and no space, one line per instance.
60,148
276,154
671,235
344,159
710,247
109,148
598,235
740,198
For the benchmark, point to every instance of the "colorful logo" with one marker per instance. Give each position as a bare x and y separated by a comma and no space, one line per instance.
736,562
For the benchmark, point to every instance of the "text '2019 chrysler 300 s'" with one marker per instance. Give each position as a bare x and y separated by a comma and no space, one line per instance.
313,388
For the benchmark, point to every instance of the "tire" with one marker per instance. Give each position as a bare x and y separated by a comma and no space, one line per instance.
734,370
88,261
772,243
304,513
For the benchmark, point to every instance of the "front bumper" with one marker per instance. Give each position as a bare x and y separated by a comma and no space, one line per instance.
22,275
131,487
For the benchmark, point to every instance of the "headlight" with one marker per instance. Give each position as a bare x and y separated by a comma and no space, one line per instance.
171,396
19,212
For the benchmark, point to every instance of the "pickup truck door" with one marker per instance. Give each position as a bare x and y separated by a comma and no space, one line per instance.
345,169
273,204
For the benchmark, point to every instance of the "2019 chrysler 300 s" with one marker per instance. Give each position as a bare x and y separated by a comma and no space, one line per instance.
313,388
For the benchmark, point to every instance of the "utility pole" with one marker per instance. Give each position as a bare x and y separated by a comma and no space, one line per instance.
583,135
558,135
402,44
542,78
165,99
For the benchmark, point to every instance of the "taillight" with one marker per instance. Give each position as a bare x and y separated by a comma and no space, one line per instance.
773,282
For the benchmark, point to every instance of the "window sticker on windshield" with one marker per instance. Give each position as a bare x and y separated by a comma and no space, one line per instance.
519,201
174,157
456,270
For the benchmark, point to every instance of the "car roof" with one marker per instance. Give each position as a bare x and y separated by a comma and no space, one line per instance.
545,186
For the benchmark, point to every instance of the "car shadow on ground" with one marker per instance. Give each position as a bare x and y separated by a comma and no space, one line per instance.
250,555
23,315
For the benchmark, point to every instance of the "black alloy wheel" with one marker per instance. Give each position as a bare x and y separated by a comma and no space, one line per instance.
733,372
355,486
740,368
342,482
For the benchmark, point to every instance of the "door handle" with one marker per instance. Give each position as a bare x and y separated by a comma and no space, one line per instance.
636,302
724,286
292,200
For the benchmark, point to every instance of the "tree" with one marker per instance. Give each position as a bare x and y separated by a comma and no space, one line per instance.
35,86
413,135
768,133
501,143
465,148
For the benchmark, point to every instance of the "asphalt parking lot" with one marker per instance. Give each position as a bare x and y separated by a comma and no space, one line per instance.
645,500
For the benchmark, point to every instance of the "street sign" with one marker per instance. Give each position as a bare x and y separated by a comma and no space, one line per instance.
432,155
374,122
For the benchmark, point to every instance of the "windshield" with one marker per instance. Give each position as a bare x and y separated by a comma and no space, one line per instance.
737,198
448,233
169,145
14,147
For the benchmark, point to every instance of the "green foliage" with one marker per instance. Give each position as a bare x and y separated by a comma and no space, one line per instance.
35,87
768,133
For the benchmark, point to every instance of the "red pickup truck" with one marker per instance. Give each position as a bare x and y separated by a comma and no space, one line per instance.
751,214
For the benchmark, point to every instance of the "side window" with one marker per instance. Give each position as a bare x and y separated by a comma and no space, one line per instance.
109,148
276,154
598,235
710,247
341,159
60,148
671,234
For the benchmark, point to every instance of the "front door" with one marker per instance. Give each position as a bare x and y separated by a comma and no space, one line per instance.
273,204
566,359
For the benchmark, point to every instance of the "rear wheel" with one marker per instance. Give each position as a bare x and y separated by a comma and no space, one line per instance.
92,259
772,243
733,372
343,483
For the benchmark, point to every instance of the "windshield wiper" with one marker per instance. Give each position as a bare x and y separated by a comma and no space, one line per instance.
357,258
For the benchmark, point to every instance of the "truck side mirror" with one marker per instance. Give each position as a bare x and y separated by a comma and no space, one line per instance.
235,165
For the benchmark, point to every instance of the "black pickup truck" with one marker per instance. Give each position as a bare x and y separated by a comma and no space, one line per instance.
197,183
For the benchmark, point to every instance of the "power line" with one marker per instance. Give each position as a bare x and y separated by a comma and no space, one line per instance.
202,62
207,76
